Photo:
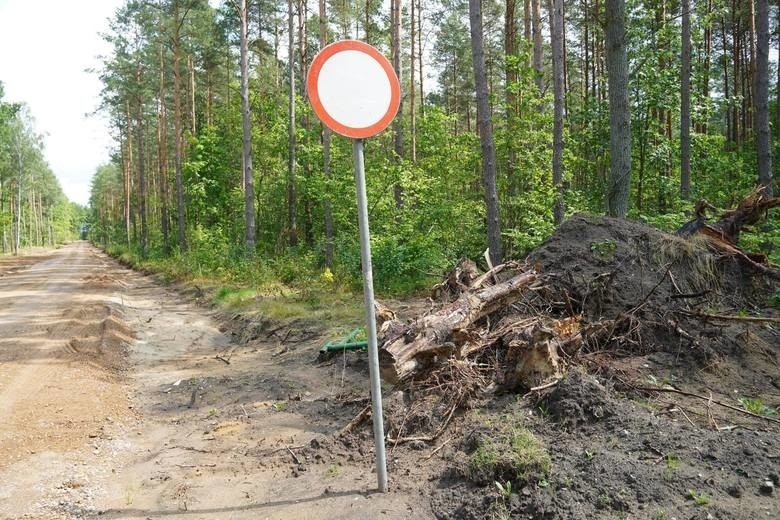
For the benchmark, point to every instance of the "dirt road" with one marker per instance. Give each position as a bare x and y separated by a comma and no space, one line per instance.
113,403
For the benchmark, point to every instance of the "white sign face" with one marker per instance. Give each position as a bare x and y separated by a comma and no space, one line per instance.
353,89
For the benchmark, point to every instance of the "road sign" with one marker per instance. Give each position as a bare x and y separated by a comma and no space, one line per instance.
353,89
355,92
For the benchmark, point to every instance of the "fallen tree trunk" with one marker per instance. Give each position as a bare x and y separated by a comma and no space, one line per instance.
407,350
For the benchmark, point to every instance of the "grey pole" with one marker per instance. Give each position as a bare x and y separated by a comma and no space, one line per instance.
368,296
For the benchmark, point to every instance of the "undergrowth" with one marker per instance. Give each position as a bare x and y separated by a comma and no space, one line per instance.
275,289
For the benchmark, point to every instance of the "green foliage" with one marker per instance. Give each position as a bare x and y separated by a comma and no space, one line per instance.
701,499
440,216
33,209
756,406
604,249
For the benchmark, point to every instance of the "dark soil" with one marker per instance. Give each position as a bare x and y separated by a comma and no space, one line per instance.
619,450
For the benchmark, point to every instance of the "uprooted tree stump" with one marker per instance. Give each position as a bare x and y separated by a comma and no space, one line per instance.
408,349
531,343
724,233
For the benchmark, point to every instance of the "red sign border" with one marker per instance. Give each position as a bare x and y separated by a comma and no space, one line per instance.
311,87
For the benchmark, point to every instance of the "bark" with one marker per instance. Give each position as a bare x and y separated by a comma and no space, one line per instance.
141,175
20,176
395,50
292,195
527,20
777,84
557,36
162,157
408,349
619,116
512,108
765,180
127,168
726,91
412,108
246,123
685,103
420,54
326,205
537,51
701,126
736,79
177,130
485,133
191,69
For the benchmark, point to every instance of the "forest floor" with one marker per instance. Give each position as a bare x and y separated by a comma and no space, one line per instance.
122,397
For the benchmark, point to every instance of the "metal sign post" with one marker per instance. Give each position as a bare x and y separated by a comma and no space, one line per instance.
368,298
355,92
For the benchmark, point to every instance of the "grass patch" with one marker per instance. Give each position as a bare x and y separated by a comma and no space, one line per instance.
511,454
756,406
701,499
672,465
235,297
281,289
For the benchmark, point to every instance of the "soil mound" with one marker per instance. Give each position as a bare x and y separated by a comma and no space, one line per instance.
648,365
610,265
579,399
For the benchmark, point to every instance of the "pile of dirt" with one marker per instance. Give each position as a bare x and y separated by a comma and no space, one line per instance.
657,391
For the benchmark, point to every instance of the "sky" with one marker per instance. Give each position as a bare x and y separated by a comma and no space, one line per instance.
46,47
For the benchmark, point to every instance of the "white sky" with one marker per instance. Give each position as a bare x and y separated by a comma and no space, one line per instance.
45,48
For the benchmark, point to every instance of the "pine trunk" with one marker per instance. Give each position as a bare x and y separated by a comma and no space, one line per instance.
619,115
246,123
765,179
685,103
485,132
556,37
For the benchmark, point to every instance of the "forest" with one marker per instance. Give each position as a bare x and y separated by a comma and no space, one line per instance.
514,116
33,209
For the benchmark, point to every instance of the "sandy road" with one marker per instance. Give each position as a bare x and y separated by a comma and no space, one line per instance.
57,390
113,404
50,398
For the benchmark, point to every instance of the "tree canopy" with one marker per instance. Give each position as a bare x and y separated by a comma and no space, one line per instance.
173,91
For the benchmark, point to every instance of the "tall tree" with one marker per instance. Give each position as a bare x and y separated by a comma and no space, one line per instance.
536,23
292,195
178,22
485,132
761,98
395,52
246,123
619,115
685,102
557,34
326,205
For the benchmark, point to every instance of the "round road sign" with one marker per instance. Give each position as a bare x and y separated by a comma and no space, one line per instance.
353,89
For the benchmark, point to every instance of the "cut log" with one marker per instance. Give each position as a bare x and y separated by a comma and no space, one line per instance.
402,355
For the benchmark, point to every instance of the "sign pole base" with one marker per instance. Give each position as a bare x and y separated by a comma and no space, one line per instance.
368,296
